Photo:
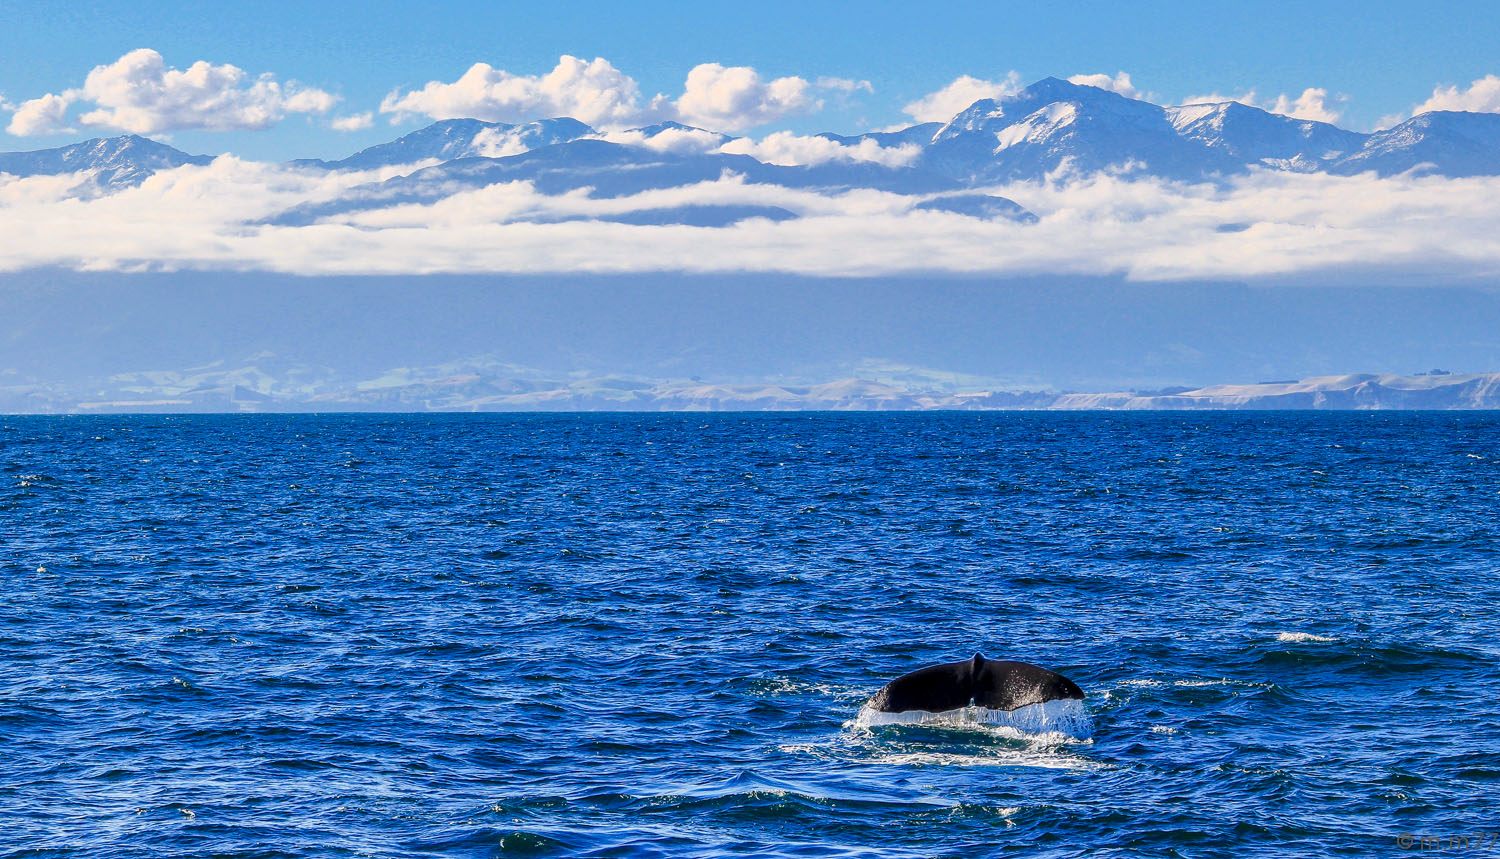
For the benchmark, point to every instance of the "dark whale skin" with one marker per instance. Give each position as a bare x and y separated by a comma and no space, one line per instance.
995,684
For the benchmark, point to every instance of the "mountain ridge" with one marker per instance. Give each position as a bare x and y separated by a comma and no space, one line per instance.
116,162
1049,126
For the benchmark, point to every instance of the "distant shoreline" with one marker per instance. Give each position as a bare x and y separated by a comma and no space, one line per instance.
480,394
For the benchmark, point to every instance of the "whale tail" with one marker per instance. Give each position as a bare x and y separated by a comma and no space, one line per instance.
994,684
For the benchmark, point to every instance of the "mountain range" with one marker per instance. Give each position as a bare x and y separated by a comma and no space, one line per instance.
1050,126
269,384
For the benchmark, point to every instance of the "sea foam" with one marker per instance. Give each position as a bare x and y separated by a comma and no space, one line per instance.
1302,636
1064,716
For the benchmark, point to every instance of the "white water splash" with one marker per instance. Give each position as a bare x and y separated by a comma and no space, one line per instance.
1064,717
1302,636
1052,750
989,758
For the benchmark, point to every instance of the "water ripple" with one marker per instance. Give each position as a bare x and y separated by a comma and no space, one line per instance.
338,636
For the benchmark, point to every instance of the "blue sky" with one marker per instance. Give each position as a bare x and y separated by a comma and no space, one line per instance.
1374,60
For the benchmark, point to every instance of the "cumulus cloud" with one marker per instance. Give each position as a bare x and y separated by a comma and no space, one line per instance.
1312,104
729,98
1481,96
1285,226
593,92
355,122
140,94
736,98
45,115
786,148
941,106
1120,83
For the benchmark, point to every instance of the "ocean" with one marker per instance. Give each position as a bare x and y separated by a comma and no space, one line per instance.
634,635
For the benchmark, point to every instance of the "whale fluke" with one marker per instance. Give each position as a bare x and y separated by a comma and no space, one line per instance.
994,684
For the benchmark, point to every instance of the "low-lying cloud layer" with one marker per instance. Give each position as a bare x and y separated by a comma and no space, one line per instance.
780,147
1265,226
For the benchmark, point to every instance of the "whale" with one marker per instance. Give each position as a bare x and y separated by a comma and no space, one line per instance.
995,692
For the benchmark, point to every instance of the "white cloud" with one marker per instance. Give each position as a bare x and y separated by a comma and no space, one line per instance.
1120,83
942,105
500,143
1482,96
1311,104
140,94
1301,227
595,92
356,122
44,115
843,85
1217,97
786,148
736,97
678,141
781,147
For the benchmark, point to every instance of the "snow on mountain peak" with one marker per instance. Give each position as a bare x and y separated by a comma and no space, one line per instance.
1037,126
1183,116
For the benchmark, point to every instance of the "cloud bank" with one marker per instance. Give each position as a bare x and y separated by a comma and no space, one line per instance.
1266,226
780,147
140,94
786,148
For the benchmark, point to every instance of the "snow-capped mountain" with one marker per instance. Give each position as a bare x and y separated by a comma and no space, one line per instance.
1049,126
1449,143
115,162
1052,123
448,139
1249,135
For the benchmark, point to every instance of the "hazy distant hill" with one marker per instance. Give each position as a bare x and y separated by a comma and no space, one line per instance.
1355,391
224,390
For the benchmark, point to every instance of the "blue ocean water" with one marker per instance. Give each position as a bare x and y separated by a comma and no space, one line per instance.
649,635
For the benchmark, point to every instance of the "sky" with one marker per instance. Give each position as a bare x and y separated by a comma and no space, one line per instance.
261,84
865,63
